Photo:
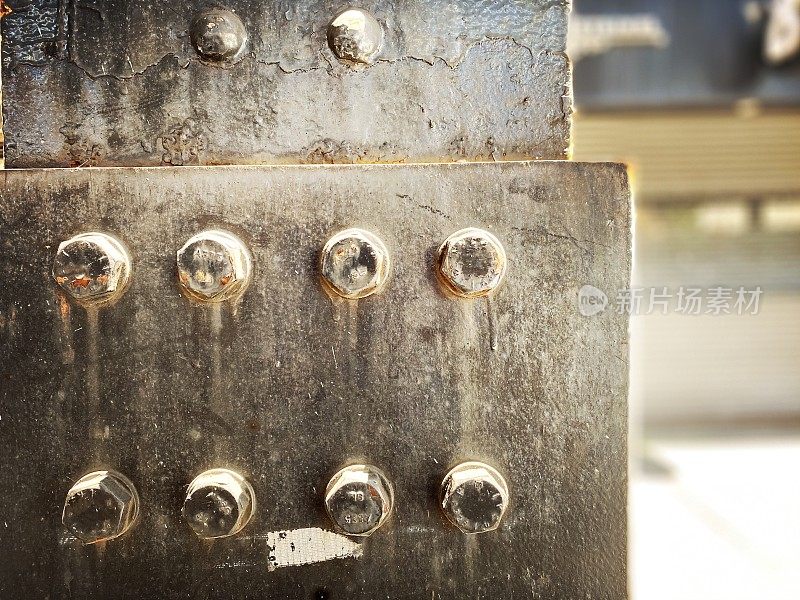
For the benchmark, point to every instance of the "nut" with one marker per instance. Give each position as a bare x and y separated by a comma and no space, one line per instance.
359,498
355,35
472,262
214,266
474,497
354,263
92,267
100,506
219,503
218,35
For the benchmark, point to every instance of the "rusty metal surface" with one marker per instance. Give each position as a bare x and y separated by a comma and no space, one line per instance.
288,384
116,82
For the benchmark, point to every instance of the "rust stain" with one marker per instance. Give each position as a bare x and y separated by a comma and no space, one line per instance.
63,307
8,322
81,282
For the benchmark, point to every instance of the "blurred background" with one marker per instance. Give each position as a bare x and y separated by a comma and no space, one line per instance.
702,99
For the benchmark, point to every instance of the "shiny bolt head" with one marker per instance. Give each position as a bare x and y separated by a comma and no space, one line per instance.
356,36
359,498
472,263
218,35
214,266
92,267
100,506
354,264
474,497
219,503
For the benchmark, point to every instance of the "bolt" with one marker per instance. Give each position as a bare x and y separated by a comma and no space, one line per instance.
100,506
214,266
472,262
218,35
92,267
219,503
354,263
355,35
474,497
359,498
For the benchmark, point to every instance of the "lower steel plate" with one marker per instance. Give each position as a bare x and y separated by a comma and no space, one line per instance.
286,385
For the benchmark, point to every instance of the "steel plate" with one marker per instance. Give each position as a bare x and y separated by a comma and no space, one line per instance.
117,82
287,385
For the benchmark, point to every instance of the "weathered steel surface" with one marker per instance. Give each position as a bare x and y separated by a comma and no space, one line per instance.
286,385
117,82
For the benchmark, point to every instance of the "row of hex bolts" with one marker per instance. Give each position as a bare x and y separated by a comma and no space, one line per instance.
216,265
359,498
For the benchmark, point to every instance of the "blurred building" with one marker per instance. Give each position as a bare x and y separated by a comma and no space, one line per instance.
702,99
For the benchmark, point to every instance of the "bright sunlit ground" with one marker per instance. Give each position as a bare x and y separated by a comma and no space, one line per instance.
721,522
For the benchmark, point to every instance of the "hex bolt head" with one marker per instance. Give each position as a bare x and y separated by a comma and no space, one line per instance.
92,267
472,263
218,35
359,499
474,497
356,36
214,266
354,264
100,506
219,503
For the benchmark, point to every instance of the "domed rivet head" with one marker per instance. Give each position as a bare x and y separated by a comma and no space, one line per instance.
100,506
356,36
92,267
354,264
218,35
472,263
214,266
359,498
219,503
474,497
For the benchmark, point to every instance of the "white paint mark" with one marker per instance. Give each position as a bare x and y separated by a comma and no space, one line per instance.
246,564
419,530
309,545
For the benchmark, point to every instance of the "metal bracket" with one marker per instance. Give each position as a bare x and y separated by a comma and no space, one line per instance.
286,383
